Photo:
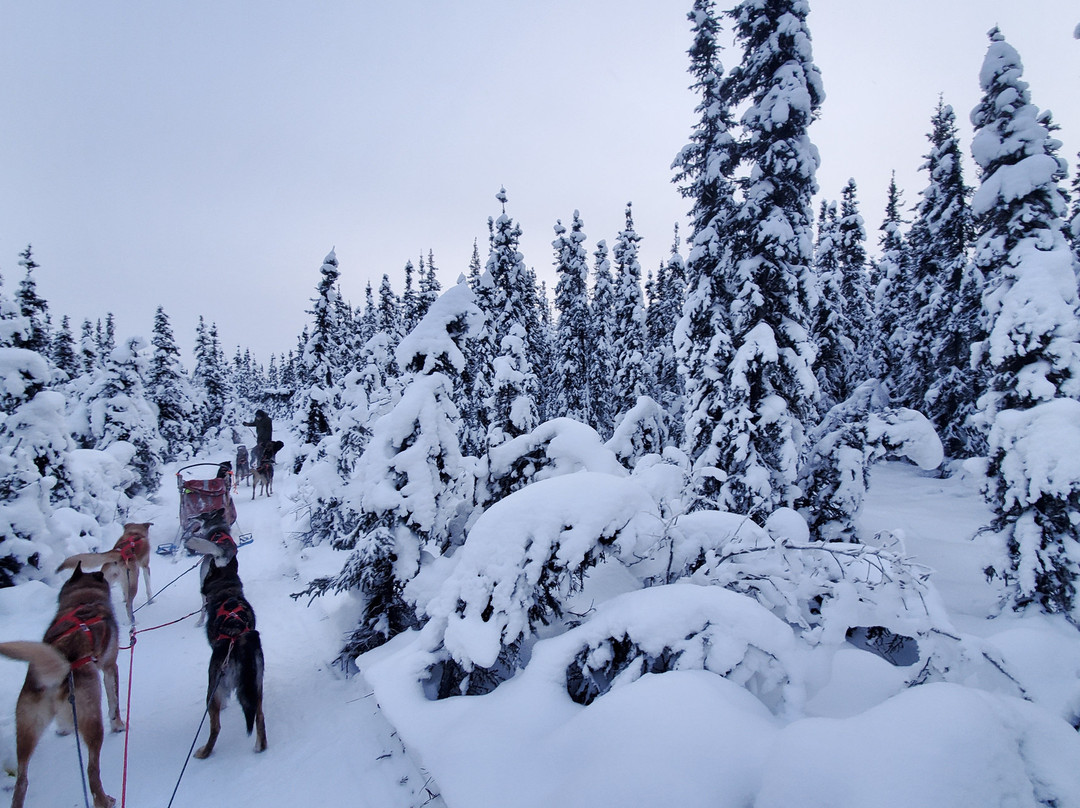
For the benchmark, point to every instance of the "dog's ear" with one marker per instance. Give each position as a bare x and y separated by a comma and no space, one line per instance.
77,573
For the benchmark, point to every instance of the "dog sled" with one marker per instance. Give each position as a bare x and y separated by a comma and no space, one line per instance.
199,496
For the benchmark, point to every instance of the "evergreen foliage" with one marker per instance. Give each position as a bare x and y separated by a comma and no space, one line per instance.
633,376
573,329
169,389
1032,319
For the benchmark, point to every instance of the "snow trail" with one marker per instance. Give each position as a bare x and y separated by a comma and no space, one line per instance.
327,740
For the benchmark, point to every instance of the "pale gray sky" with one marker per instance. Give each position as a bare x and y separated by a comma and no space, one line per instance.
205,156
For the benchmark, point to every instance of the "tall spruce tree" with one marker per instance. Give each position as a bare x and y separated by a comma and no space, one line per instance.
1032,319
33,307
832,329
512,404
572,331
705,169
889,279
601,371
168,388
633,376
320,358
855,284
63,351
662,320
939,241
768,392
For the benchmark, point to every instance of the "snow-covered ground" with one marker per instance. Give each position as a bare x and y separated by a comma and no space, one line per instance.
853,735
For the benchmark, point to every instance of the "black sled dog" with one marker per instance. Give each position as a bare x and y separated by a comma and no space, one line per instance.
236,657
208,535
79,646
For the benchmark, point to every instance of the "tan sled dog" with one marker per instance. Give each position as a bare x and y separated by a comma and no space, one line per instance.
122,563
80,644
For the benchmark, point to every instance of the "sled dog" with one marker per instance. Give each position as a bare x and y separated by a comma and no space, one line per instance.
243,468
80,644
236,657
208,535
262,473
122,563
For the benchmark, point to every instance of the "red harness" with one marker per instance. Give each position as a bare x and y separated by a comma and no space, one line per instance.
129,547
237,614
76,623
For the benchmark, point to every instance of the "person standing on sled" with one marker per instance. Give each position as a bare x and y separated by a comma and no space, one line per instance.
264,433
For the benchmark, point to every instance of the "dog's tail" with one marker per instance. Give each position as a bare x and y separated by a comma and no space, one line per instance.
89,560
249,688
48,667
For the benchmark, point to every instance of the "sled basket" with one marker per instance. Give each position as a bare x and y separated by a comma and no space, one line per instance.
198,496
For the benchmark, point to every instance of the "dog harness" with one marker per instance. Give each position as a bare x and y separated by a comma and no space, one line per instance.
73,622
223,540
129,548
235,620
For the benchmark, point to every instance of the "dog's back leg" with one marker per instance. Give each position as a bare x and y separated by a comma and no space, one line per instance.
33,713
88,701
146,578
213,708
112,695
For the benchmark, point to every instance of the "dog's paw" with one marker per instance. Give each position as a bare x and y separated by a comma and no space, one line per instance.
260,746
202,753
118,725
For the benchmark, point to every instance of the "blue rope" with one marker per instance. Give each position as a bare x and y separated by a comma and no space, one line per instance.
78,746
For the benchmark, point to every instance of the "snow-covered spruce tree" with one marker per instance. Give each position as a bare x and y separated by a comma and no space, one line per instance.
429,286
118,410
704,171
851,437
34,480
601,369
633,376
88,352
476,378
168,388
1032,319
572,332
768,392
662,319
938,377
855,283
412,489
542,349
831,328
389,321
62,351
33,307
209,379
512,404
106,336
315,404
890,279
410,301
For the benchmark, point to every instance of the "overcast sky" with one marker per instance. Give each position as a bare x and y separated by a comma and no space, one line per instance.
205,155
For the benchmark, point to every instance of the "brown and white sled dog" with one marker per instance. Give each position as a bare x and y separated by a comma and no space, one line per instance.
262,472
236,657
79,645
122,563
